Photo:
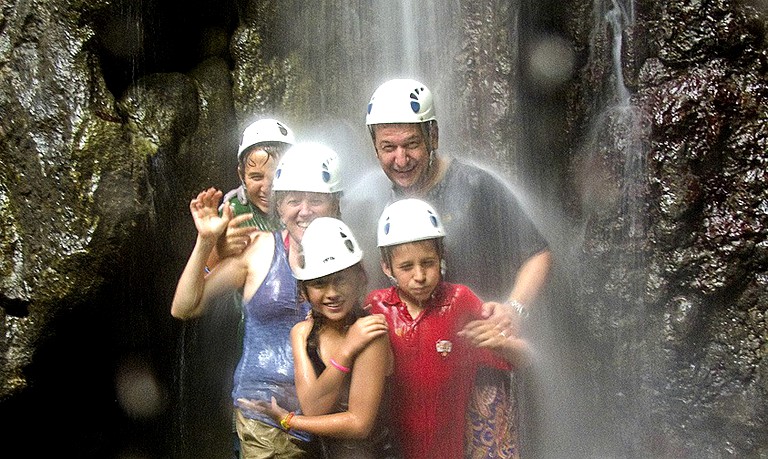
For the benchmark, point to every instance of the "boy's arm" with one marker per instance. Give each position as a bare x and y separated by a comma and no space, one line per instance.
234,240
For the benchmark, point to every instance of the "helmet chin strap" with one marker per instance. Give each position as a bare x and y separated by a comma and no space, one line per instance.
426,132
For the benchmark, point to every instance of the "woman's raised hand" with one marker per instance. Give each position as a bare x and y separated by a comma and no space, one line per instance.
205,212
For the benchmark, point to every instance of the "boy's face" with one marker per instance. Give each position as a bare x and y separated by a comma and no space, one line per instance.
416,267
336,294
257,177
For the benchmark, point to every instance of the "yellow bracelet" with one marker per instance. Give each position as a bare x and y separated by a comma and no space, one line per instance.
285,423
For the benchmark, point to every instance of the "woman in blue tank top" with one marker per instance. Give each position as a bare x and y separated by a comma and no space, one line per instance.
306,186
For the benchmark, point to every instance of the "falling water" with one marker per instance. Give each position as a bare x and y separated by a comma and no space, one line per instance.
628,133
365,44
425,41
618,17
347,51
615,207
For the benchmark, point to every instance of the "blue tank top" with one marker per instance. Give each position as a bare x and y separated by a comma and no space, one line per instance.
266,365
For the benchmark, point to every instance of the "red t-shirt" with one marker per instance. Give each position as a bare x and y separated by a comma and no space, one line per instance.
434,368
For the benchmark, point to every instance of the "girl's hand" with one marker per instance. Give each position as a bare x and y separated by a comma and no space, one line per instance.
301,331
273,410
363,331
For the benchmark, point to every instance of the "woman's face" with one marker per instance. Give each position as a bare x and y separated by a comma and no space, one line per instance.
416,267
297,209
257,173
336,294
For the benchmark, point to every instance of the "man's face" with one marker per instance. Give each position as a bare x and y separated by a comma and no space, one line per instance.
403,154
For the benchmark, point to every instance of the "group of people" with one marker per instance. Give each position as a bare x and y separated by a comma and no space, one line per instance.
330,369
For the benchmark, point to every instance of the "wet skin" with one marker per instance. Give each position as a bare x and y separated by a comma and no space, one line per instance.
298,208
257,177
334,295
402,153
416,267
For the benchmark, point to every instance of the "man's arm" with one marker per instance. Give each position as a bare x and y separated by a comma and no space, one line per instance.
504,318
530,279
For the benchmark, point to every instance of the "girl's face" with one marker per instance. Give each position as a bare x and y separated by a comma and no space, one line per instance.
297,209
257,173
336,294
416,267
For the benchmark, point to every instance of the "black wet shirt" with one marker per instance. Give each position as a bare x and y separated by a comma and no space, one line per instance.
488,233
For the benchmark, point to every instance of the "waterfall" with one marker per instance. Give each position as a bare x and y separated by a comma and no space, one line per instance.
619,17
612,252
618,135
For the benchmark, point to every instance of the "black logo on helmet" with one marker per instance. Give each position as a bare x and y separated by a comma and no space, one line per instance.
415,104
283,129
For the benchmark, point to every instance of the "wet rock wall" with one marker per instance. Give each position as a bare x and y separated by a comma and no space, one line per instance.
112,117
673,293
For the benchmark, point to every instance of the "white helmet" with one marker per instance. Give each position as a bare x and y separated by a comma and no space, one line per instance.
401,101
308,166
328,246
408,220
265,130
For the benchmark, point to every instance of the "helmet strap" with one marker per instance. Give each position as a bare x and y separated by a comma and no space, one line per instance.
429,128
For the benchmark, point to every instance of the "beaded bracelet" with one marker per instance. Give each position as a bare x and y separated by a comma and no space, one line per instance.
339,366
285,423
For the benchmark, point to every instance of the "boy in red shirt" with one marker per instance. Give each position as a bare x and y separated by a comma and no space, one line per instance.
434,366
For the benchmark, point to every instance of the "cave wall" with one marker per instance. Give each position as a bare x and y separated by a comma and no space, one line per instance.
673,293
